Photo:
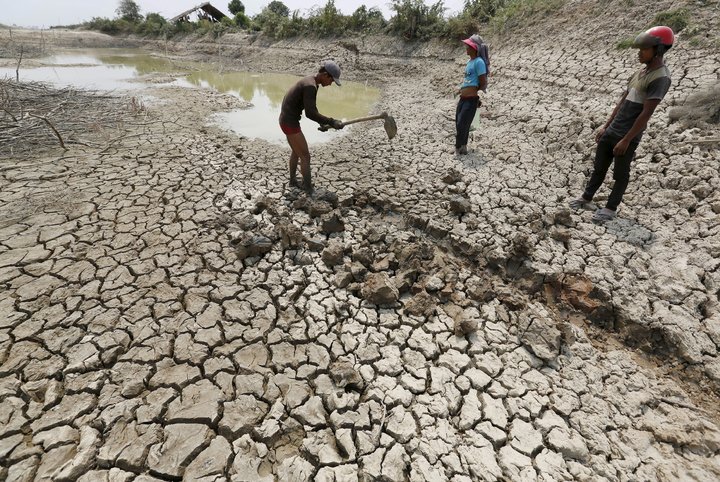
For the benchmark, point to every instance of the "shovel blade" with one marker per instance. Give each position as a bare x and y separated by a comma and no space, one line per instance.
390,126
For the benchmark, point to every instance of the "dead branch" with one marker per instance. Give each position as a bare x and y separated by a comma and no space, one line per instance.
75,117
57,134
711,140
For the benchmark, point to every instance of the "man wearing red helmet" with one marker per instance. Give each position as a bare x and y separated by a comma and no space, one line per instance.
620,136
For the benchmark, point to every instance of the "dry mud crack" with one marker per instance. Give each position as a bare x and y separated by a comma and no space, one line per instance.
170,310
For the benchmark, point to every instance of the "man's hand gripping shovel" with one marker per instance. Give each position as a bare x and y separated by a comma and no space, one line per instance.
388,124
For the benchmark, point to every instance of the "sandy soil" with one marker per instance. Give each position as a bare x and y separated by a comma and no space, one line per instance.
172,310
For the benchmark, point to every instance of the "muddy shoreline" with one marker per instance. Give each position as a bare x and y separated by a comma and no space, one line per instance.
424,317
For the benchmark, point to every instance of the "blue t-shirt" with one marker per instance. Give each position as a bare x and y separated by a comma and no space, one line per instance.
474,69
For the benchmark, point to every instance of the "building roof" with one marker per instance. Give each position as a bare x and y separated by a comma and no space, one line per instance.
216,14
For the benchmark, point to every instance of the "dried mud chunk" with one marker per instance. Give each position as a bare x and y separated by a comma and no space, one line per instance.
460,205
252,245
332,255
379,289
332,223
422,304
291,236
453,176
540,334
345,376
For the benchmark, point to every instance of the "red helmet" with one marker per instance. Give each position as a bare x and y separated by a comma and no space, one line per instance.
655,36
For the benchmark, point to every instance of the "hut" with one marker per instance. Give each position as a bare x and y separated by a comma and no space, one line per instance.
204,10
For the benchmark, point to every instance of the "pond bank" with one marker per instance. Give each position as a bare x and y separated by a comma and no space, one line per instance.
174,310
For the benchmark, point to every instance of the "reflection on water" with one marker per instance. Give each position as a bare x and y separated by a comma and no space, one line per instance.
120,69
98,69
266,92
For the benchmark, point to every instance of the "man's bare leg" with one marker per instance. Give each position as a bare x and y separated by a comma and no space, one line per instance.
299,146
293,169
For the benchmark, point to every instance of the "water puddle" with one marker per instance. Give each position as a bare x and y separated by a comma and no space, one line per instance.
95,69
122,70
266,92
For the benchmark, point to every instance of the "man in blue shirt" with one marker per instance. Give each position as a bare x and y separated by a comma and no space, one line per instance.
475,79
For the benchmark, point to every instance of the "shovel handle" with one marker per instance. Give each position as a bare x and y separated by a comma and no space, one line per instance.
364,119
326,127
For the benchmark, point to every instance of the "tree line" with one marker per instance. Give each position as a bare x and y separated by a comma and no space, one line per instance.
410,20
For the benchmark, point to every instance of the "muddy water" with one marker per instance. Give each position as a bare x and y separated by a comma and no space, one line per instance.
266,91
97,69
123,70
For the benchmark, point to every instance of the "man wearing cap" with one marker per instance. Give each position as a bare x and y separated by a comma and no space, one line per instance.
303,96
618,139
475,80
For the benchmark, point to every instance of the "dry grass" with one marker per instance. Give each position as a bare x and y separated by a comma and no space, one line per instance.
701,109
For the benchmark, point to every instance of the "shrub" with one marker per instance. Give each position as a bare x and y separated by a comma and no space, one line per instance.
326,21
675,19
516,13
460,26
154,24
242,20
625,43
482,10
415,20
291,27
366,20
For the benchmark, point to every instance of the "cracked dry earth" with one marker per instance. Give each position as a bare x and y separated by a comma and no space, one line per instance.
171,311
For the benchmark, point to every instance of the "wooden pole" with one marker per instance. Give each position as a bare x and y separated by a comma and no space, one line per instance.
17,69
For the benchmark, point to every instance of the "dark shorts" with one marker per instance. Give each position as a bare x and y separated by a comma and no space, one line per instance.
290,130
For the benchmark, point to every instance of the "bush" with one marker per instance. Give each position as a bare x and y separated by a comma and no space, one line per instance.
625,43
154,24
366,20
415,20
675,19
517,13
242,20
461,26
326,21
291,27
482,10
269,22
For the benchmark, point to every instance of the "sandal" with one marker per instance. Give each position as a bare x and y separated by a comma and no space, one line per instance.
578,203
603,215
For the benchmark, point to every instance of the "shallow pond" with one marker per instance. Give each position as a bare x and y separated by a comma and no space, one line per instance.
122,70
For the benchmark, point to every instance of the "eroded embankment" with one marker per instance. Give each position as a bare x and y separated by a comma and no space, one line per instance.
173,311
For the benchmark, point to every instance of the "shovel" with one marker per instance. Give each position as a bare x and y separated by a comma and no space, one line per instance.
389,124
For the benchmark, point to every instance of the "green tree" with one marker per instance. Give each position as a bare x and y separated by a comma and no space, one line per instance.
367,20
278,8
155,24
415,20
236,6
327,20
242,20
129,10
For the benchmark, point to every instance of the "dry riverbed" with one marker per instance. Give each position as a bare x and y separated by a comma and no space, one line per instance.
171,310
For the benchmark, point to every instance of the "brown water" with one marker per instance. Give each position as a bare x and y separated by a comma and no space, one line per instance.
266,91
123,70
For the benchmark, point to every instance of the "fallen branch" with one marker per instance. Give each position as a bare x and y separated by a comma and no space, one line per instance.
57,134
705,141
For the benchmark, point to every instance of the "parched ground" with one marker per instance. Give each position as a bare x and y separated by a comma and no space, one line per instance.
170,310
